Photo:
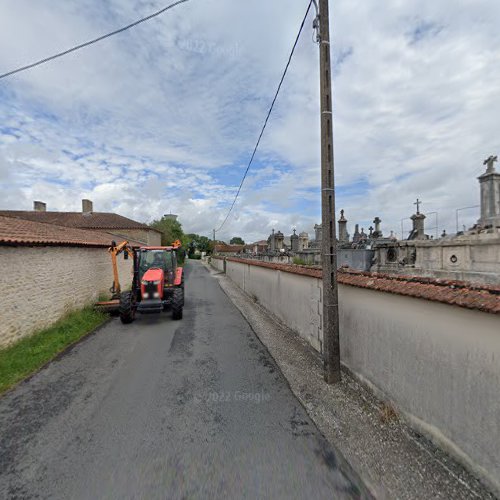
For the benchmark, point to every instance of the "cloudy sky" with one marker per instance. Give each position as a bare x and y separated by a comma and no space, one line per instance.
163,118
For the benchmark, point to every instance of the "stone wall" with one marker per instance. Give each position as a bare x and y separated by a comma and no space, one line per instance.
293,298
41,284
438,364
148,237
355,258
469,257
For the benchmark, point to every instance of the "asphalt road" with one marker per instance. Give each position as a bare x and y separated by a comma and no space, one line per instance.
161,409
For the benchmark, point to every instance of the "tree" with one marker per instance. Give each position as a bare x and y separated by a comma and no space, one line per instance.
171,230
197,242
236,241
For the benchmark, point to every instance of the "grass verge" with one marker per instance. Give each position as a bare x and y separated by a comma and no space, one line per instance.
29,354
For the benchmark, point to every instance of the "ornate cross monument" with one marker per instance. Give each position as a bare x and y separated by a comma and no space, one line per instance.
418,219
490,164
418,203
272,242
294,241
343,234
490,194
378,232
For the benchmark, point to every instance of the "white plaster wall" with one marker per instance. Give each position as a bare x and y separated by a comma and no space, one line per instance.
439,364
40,284
294,299
217,264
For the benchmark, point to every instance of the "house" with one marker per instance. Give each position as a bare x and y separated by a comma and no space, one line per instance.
120,227
224,249
49,270
257,247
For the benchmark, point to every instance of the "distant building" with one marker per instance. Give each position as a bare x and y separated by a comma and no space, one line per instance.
259,247
170,217
225,249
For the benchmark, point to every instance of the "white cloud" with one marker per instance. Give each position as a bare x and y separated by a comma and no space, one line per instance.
164,117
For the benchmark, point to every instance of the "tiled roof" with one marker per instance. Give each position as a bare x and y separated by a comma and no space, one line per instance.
469,295
229,248
94,220
17,232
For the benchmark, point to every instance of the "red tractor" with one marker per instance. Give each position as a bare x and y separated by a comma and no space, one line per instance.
158,283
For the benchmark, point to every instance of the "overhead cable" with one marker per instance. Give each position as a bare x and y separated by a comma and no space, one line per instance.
91,42
268,115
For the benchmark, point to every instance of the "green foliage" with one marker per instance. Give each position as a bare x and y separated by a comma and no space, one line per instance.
236,241
200,243
181,257
299,262
29,354
171,230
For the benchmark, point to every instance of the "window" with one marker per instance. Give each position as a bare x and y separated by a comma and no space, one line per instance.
155,259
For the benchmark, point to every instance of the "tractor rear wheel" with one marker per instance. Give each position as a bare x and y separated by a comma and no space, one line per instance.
177,303
127,311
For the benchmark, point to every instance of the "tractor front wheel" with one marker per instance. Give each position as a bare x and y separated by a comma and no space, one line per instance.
127,310
177,303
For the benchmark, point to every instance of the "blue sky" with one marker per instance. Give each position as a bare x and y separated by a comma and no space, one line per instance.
164,117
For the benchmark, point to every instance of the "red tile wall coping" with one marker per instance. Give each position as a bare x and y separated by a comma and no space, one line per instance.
484,298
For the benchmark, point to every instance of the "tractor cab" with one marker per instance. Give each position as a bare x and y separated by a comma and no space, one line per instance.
157,262
158,284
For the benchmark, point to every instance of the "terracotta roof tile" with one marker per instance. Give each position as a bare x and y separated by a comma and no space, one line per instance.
224,248
16,232
94,220
463,294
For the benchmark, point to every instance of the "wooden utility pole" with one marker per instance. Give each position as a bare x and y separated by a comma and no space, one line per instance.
331,343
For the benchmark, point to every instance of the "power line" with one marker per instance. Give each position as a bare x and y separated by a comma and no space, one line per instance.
268,114
95,40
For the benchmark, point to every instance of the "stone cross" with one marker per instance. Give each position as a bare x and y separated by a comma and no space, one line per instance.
490,163
294,231
418,203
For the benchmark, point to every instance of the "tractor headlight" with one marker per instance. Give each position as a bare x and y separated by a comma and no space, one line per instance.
146,295
156,282
156,295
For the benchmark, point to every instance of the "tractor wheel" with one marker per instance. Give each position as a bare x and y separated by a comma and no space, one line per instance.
127,311
177,303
